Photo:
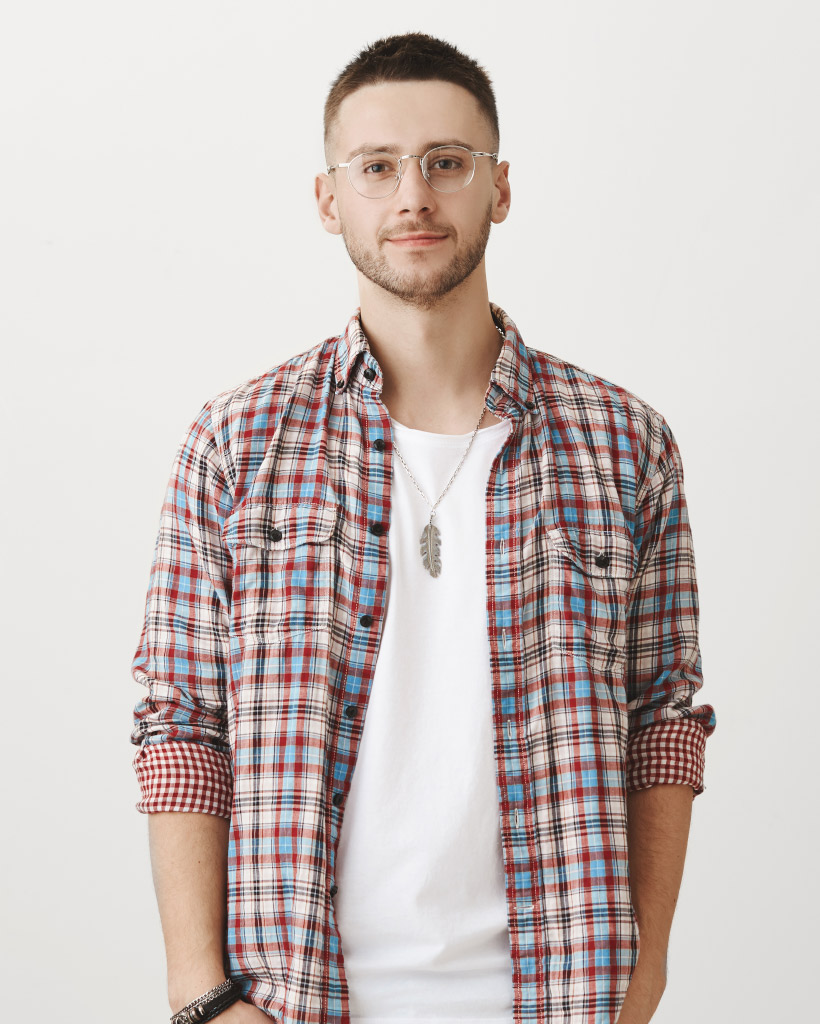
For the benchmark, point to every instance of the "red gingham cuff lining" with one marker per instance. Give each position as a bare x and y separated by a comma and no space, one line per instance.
667,751
183,776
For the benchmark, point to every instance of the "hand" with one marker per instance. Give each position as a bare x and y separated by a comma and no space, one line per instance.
644,993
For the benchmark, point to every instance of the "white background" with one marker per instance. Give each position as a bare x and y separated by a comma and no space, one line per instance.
159,242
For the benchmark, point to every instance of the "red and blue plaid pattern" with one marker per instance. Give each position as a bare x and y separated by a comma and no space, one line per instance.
262,624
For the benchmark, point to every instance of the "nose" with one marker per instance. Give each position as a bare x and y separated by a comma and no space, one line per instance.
414,191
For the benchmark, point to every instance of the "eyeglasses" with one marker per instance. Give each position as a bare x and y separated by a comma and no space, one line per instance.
445,168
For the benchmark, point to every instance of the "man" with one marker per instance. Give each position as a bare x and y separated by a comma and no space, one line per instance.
420,640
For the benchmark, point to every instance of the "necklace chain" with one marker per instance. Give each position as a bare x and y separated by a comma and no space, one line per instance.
452,478
431,538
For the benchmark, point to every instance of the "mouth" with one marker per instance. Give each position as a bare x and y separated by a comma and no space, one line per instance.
418,241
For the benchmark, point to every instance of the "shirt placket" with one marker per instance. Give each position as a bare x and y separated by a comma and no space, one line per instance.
508,479
371,511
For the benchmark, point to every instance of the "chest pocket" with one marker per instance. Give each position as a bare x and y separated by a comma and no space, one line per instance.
589,571
283,568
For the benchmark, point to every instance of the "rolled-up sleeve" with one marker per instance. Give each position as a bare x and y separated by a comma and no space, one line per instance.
183,761
667,732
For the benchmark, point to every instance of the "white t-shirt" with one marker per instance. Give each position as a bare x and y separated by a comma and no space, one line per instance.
421,905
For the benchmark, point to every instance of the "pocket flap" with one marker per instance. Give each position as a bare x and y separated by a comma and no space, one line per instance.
279,525
597,551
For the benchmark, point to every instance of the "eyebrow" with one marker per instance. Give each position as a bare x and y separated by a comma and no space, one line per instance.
393,148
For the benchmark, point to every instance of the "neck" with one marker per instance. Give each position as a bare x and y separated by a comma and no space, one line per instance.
436,362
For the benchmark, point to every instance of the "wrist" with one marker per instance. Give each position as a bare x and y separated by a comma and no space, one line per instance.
208,1005
183,987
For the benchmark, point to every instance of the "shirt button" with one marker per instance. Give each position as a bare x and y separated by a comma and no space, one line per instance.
334,889
339,383
338,798
351,711
274,533
369,372
377,528
378,444
602,560
530,405
366,620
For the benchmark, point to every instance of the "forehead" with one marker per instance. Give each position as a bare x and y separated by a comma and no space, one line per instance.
408,114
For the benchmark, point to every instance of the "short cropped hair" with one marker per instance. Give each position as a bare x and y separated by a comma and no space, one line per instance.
414,56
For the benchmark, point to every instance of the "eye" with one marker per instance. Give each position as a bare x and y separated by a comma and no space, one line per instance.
376,164
452,161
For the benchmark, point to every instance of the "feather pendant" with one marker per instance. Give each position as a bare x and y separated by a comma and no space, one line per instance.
431,548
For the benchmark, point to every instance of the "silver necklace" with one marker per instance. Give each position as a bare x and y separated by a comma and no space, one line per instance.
430,540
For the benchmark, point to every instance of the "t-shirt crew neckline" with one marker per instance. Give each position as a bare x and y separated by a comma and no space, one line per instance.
495,430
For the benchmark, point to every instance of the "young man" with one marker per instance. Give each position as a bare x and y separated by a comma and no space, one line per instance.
420,640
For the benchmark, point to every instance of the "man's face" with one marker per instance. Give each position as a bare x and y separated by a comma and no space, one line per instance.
411,115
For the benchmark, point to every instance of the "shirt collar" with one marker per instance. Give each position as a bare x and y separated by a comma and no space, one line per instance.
511,373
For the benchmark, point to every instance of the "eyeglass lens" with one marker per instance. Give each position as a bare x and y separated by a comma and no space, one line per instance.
449,168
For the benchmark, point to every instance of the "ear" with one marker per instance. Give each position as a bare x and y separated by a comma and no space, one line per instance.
325,191
501,192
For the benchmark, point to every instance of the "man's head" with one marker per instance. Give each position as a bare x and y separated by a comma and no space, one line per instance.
406,93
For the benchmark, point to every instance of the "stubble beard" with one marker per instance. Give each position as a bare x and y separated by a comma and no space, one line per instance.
421,288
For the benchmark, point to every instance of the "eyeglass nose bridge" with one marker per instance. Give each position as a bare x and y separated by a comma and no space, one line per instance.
423,165
400,171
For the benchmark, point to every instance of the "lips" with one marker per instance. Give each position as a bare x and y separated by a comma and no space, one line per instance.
417,240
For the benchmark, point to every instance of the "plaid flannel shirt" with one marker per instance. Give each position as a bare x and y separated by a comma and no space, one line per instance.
262,624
